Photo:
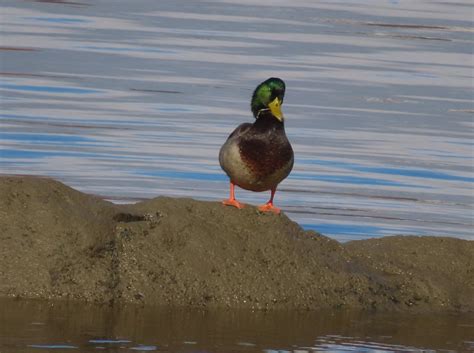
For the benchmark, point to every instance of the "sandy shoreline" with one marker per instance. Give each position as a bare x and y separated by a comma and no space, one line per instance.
56,242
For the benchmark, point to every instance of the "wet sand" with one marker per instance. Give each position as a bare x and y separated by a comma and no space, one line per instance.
58,243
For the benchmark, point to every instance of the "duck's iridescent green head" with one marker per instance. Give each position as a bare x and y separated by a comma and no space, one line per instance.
269,96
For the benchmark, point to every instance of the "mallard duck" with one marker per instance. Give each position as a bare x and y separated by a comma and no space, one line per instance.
258,156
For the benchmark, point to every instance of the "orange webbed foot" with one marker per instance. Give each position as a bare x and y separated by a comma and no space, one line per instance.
268,207
233,202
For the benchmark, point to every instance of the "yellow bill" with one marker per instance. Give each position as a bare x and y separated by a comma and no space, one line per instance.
275,108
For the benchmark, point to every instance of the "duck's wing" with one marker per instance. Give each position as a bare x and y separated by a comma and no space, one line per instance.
229,155
240,130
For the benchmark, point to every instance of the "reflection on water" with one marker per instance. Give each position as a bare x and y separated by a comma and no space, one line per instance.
133,99
31,326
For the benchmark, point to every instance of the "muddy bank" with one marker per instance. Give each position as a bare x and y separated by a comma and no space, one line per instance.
56,242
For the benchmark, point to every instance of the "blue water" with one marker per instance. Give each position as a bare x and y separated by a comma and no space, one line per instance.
47,89
133,99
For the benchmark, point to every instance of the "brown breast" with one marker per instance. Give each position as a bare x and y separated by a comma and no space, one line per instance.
266,154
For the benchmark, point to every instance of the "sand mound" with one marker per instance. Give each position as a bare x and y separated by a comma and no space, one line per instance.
56,242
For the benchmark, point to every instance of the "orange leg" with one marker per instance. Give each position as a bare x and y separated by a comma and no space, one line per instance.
232,201
268,207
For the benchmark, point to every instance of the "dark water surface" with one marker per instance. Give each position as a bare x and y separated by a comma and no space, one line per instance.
132,99
32,326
